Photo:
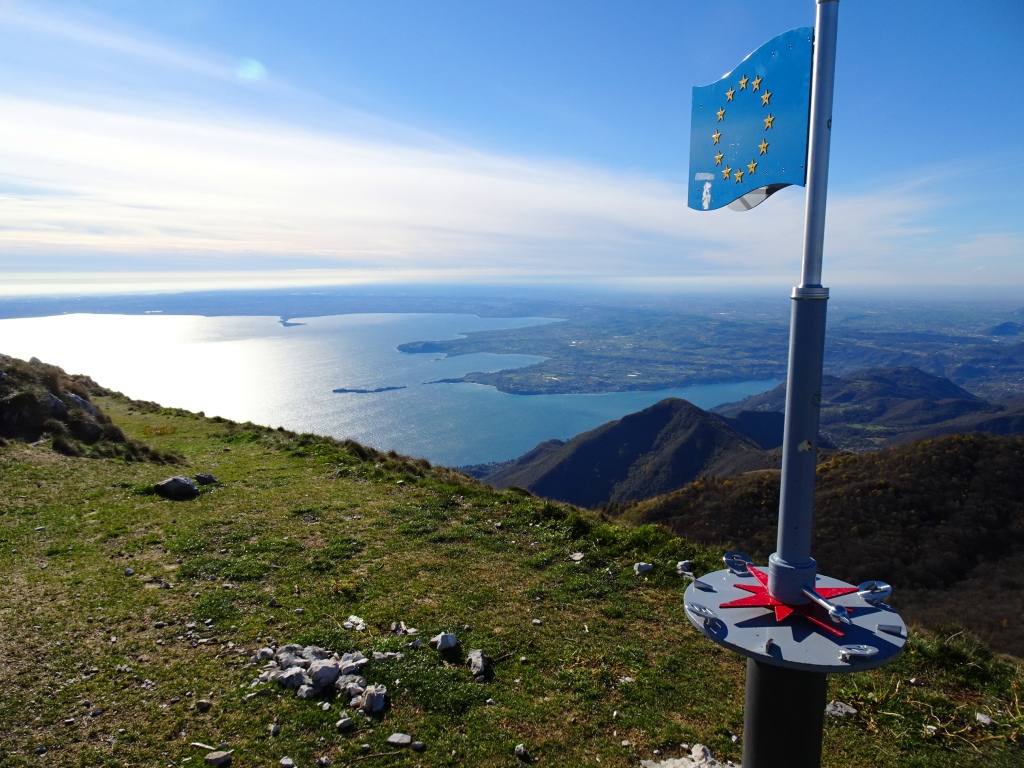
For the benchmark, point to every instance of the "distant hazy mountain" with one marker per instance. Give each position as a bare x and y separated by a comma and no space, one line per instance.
870,408
1009,328
643,454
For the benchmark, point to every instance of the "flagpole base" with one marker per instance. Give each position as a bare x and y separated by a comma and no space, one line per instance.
874,635
783,717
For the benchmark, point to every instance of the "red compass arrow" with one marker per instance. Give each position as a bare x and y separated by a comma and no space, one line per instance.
810,611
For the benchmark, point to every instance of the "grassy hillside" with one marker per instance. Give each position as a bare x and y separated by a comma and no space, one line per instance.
104,580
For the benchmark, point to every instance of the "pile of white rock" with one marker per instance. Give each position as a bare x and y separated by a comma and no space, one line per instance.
313,671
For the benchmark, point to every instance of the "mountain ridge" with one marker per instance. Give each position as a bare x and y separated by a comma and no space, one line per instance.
644,453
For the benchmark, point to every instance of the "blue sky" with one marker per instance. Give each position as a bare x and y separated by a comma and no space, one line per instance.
203,142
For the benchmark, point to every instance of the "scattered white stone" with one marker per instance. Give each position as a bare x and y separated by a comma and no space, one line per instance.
373,699
576,557
315,653
357,623
344,723
839,709
521,751
477,662
700,757
982,718
293,677
351,663
443,641
639,568
536,622
218,758
350,685
323,672
399,740
287,762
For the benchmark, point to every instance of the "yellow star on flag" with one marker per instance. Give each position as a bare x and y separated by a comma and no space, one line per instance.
726,171
764,98
756,84
739,176
716,136
729,94
743,83
721,114
768,121
718,158
752,167
763,146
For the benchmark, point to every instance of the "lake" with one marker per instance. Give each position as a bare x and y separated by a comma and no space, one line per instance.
263,370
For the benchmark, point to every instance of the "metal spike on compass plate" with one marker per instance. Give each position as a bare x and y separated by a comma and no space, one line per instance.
852,652
839,614
702,611
874,591
737,562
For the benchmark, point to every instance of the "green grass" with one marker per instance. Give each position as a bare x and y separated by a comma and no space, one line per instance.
336,529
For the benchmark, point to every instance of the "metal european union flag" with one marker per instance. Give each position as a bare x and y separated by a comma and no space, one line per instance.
749,130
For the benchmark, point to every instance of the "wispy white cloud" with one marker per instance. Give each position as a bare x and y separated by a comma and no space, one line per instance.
125,179
55,25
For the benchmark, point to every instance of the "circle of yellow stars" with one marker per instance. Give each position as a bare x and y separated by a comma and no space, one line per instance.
769,123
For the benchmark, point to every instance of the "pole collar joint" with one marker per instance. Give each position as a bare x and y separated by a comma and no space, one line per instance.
810,292
787,581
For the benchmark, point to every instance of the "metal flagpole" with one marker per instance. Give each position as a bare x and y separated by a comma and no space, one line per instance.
791,568
792,735
788,660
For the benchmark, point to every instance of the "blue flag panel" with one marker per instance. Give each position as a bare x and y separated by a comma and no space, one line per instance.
749,130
